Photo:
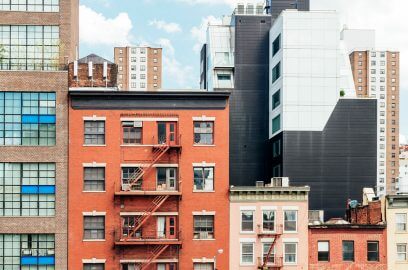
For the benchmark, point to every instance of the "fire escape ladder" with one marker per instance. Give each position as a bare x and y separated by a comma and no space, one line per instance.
156,203
156,252
265,262
158,152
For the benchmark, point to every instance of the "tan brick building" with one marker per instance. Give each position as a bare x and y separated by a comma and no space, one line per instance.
139,68
39,39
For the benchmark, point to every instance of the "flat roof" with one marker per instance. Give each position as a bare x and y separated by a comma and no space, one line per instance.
254,188
348,226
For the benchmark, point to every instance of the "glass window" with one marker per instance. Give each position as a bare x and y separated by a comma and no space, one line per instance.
94,227
276,100
129,177
268,220
27,118
276,72
247,221
401,222
348,250
94,132
94,179
265,250
30,5
166,178
373,251
276,124
276,148
203,178
203,132
401,252
290,224
323,251
247,253
290,252
203,266
94,266
27,189
132,132
29,47
203,227
276,45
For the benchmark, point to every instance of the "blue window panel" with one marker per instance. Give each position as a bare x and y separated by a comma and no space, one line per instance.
47,119
46,189
46,260
29,119
27,260
29,189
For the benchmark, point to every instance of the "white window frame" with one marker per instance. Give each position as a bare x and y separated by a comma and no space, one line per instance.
396,224
284,253
273,252
405,253
253,220
297,214
274,221
253,254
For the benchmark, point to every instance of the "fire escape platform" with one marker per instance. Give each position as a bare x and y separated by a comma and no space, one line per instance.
133,242
148,193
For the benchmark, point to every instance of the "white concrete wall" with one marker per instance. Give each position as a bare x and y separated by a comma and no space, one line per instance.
136,52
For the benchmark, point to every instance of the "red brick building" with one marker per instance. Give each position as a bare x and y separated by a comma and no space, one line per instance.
148,180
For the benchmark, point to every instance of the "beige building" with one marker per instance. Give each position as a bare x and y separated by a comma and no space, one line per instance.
39,39
139,68
376,75
396,211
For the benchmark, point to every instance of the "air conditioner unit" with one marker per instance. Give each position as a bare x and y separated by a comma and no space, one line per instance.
316,216
250,9
280,182
125,187
259,184
203,235
240,9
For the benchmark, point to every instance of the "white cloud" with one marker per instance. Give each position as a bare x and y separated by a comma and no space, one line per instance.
167,27
96,29
403,139
199,33
172,68
387,17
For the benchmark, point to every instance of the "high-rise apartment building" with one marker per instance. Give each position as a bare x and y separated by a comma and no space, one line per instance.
148,179
139,68
376,75
38,39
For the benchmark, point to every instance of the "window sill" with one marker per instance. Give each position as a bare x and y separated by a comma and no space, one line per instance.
91,191
94,145
203,191
290,264
253,232
137,145
290,232
93,240
204,145
209,239
246,264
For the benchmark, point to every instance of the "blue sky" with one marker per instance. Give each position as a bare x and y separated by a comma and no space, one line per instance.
179,27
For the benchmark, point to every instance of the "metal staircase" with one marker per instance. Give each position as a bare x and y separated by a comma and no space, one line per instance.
154,254
276,234
158,152
140,220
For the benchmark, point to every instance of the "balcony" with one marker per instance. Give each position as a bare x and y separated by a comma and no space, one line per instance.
126,236
148,189
275,262
278,230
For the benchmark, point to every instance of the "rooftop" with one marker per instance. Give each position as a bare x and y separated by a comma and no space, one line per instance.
95,59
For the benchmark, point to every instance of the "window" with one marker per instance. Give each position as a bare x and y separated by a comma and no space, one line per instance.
268,220
373,79
142,85
276,45
142,68
132,132
360,80
360,71
30,5
224,80
323,251
133,68
94,132
276,124
247,253
120,59
265,250
276,72
401,222
154,60
155,69
203,227
142,59
142,50
348,251
373,251
373,54
290,252
29,47
94,179
290,220
155,77
247,221
133,76
142,76
27,189
133,59
155,51
133,85
360,63
203,266
27,118
133,50
94,227
276,148
401,252
129,177
373,63
204,178
19,250
166,178
203,132
373,71
276,100
94,266
382,63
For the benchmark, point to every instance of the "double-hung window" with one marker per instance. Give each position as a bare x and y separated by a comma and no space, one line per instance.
132,132
204,227
203,132
401,252
204,178
203,266
348,251
94,178
266,247
268,220
323,251
290,250
290,220
94,266
373,253
247,221
401,222
247,253
94,227
94,132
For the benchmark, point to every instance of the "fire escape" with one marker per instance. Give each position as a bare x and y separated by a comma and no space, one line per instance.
270,262
133,236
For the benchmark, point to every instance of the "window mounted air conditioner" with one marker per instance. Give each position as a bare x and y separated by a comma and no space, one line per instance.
203,235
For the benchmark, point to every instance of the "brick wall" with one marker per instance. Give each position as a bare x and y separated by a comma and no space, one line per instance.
97,80
366,214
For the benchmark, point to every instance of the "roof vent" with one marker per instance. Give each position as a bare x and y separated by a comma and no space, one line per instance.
250,9
240,9
280,182
259,184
